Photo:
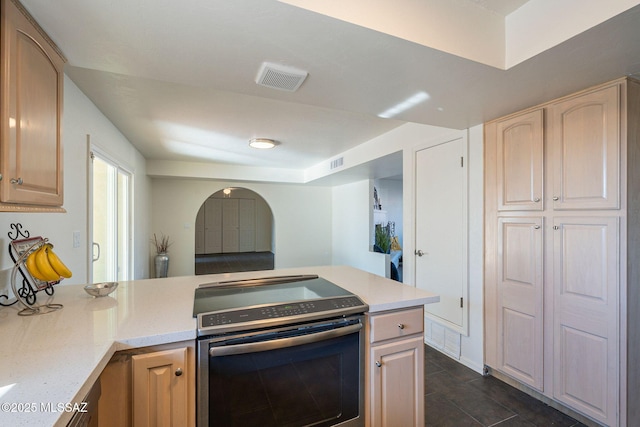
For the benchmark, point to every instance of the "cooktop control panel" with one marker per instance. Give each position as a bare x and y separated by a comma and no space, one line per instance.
256,314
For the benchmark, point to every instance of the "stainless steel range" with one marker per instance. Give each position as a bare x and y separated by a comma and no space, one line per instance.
279,351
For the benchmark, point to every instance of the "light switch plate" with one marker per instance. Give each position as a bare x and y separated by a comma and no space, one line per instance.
76,239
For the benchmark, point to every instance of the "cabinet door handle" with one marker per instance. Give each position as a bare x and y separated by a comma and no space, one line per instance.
378,364
537,199
16,181
178,372
556,198
419,252
555,227
401,325
537,227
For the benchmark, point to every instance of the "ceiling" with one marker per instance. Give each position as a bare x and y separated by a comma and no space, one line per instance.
178,78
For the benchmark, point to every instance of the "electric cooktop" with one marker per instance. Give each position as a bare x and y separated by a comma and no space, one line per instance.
265,302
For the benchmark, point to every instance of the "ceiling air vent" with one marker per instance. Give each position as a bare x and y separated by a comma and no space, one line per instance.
280,77
337,162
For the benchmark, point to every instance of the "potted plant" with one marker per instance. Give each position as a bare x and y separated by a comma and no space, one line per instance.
162,256
383,238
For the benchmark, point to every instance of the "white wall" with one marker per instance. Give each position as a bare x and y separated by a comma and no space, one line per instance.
301,215
352,221
80,118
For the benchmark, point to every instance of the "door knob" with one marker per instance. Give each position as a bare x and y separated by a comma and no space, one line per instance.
419,252
178,372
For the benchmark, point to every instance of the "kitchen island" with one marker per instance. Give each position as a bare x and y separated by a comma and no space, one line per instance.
51,361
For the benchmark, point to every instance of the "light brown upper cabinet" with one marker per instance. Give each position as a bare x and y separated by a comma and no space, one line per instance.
585,131
31,162
520,145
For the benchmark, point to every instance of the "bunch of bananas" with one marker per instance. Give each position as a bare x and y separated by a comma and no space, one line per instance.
43,264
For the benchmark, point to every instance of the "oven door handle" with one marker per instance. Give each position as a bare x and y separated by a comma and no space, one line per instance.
284,342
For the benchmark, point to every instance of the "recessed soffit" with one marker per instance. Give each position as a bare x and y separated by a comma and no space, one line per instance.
498,33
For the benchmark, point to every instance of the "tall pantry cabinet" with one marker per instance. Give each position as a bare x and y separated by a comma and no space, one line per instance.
562,230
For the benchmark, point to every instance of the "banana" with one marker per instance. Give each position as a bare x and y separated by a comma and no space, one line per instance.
33,268
57,264
42,262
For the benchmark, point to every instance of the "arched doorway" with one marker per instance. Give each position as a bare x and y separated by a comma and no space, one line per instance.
234,232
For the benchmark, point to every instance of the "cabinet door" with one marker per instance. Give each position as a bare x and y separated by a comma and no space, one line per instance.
32,91
520,299
585,136
246,225
397,383
160,395
520,153
213,226
585,276
230,225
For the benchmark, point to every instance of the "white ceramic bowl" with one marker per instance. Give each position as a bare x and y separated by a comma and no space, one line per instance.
101,289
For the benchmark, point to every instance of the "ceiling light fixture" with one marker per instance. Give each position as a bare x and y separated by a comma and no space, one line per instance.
405,105
262,143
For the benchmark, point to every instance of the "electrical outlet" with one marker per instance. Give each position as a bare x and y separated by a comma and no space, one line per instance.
76,239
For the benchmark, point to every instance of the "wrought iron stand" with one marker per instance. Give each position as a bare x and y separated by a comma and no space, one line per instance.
21,245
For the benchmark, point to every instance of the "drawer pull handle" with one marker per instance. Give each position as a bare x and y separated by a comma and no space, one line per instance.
178,372
378,364
16,181
401,325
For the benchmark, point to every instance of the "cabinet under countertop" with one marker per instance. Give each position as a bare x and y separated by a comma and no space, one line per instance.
57,357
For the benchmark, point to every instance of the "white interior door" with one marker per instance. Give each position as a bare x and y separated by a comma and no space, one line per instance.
441,230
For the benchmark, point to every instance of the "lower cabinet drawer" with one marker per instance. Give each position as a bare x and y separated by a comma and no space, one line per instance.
396,324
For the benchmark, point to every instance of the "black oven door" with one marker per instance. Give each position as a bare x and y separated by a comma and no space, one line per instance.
304,375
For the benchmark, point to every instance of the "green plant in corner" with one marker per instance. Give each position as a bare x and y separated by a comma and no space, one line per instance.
162,244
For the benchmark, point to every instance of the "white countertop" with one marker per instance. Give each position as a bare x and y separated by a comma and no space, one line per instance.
55,358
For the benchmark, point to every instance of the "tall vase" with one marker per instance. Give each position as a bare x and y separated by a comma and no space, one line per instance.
162,264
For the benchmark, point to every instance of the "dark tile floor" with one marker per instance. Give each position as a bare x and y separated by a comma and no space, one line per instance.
232,262
457,396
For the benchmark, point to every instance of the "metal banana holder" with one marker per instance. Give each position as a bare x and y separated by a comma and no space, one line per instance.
19,250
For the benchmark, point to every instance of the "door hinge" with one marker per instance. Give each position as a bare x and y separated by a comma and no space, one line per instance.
461,305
